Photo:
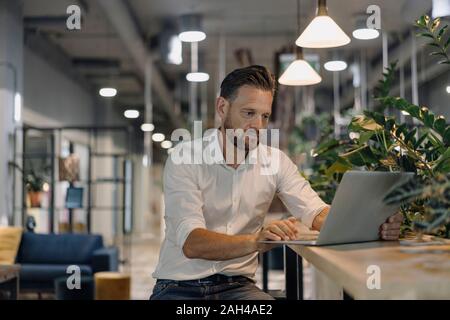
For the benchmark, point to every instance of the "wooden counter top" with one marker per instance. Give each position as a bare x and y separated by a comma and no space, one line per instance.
421,272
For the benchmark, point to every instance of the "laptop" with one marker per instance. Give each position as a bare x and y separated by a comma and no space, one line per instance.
357,210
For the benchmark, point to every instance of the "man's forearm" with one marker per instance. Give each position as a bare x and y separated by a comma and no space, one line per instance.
210,245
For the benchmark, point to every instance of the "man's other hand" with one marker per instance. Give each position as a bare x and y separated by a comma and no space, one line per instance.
390,230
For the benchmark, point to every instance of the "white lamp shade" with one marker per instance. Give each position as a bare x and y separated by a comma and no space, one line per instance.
322,32
299,73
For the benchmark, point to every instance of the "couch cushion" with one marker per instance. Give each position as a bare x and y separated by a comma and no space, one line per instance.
58,248
9,244
48,272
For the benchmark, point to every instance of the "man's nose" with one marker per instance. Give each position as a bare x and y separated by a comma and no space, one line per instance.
257,123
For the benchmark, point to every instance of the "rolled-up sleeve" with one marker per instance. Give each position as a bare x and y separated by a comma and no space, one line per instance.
296,193
183,200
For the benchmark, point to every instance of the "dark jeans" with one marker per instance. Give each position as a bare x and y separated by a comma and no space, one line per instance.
215,287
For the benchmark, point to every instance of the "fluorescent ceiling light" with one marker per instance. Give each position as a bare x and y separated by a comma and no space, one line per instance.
299,73
107,92
448,89
131,114
335,65
158,137
365,34
166,144
322,31
197,77
147,127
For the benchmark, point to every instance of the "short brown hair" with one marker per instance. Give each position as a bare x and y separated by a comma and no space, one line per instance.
255,76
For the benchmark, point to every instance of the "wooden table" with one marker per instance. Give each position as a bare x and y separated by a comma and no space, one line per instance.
405,272
9,280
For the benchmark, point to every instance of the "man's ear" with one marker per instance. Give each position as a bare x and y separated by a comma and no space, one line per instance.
222,107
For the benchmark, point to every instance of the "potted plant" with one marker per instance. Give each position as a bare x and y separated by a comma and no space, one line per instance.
34,184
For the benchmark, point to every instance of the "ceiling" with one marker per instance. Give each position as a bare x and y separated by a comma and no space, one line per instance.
98,55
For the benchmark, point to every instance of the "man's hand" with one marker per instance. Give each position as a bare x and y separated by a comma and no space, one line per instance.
276,230
279,230
390,230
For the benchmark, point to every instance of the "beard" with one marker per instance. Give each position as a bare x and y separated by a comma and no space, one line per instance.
240,140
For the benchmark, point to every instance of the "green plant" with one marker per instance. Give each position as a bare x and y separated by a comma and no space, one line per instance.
430,29
34,182
434,194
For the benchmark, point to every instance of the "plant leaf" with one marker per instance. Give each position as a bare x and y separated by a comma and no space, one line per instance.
440,125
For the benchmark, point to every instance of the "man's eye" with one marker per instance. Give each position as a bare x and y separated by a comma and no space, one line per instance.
250,114
266,116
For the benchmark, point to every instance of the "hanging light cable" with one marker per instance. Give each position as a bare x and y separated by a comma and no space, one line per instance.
322,31
299,72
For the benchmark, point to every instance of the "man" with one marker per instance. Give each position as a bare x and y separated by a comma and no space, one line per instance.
214,211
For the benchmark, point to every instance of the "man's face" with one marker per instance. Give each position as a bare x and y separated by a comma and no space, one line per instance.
250,109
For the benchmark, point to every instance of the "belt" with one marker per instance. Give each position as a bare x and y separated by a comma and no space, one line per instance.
213,279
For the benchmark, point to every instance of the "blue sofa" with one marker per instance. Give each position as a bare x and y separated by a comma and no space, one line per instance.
45,257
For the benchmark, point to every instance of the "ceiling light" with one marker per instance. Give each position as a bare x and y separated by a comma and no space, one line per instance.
322,31
166,144
365,34
147,127
131,114
192,36
191,28
448,89
197,76
335,65
158,137
107,92
299,73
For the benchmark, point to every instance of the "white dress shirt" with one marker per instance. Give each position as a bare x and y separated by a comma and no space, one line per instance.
217,197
